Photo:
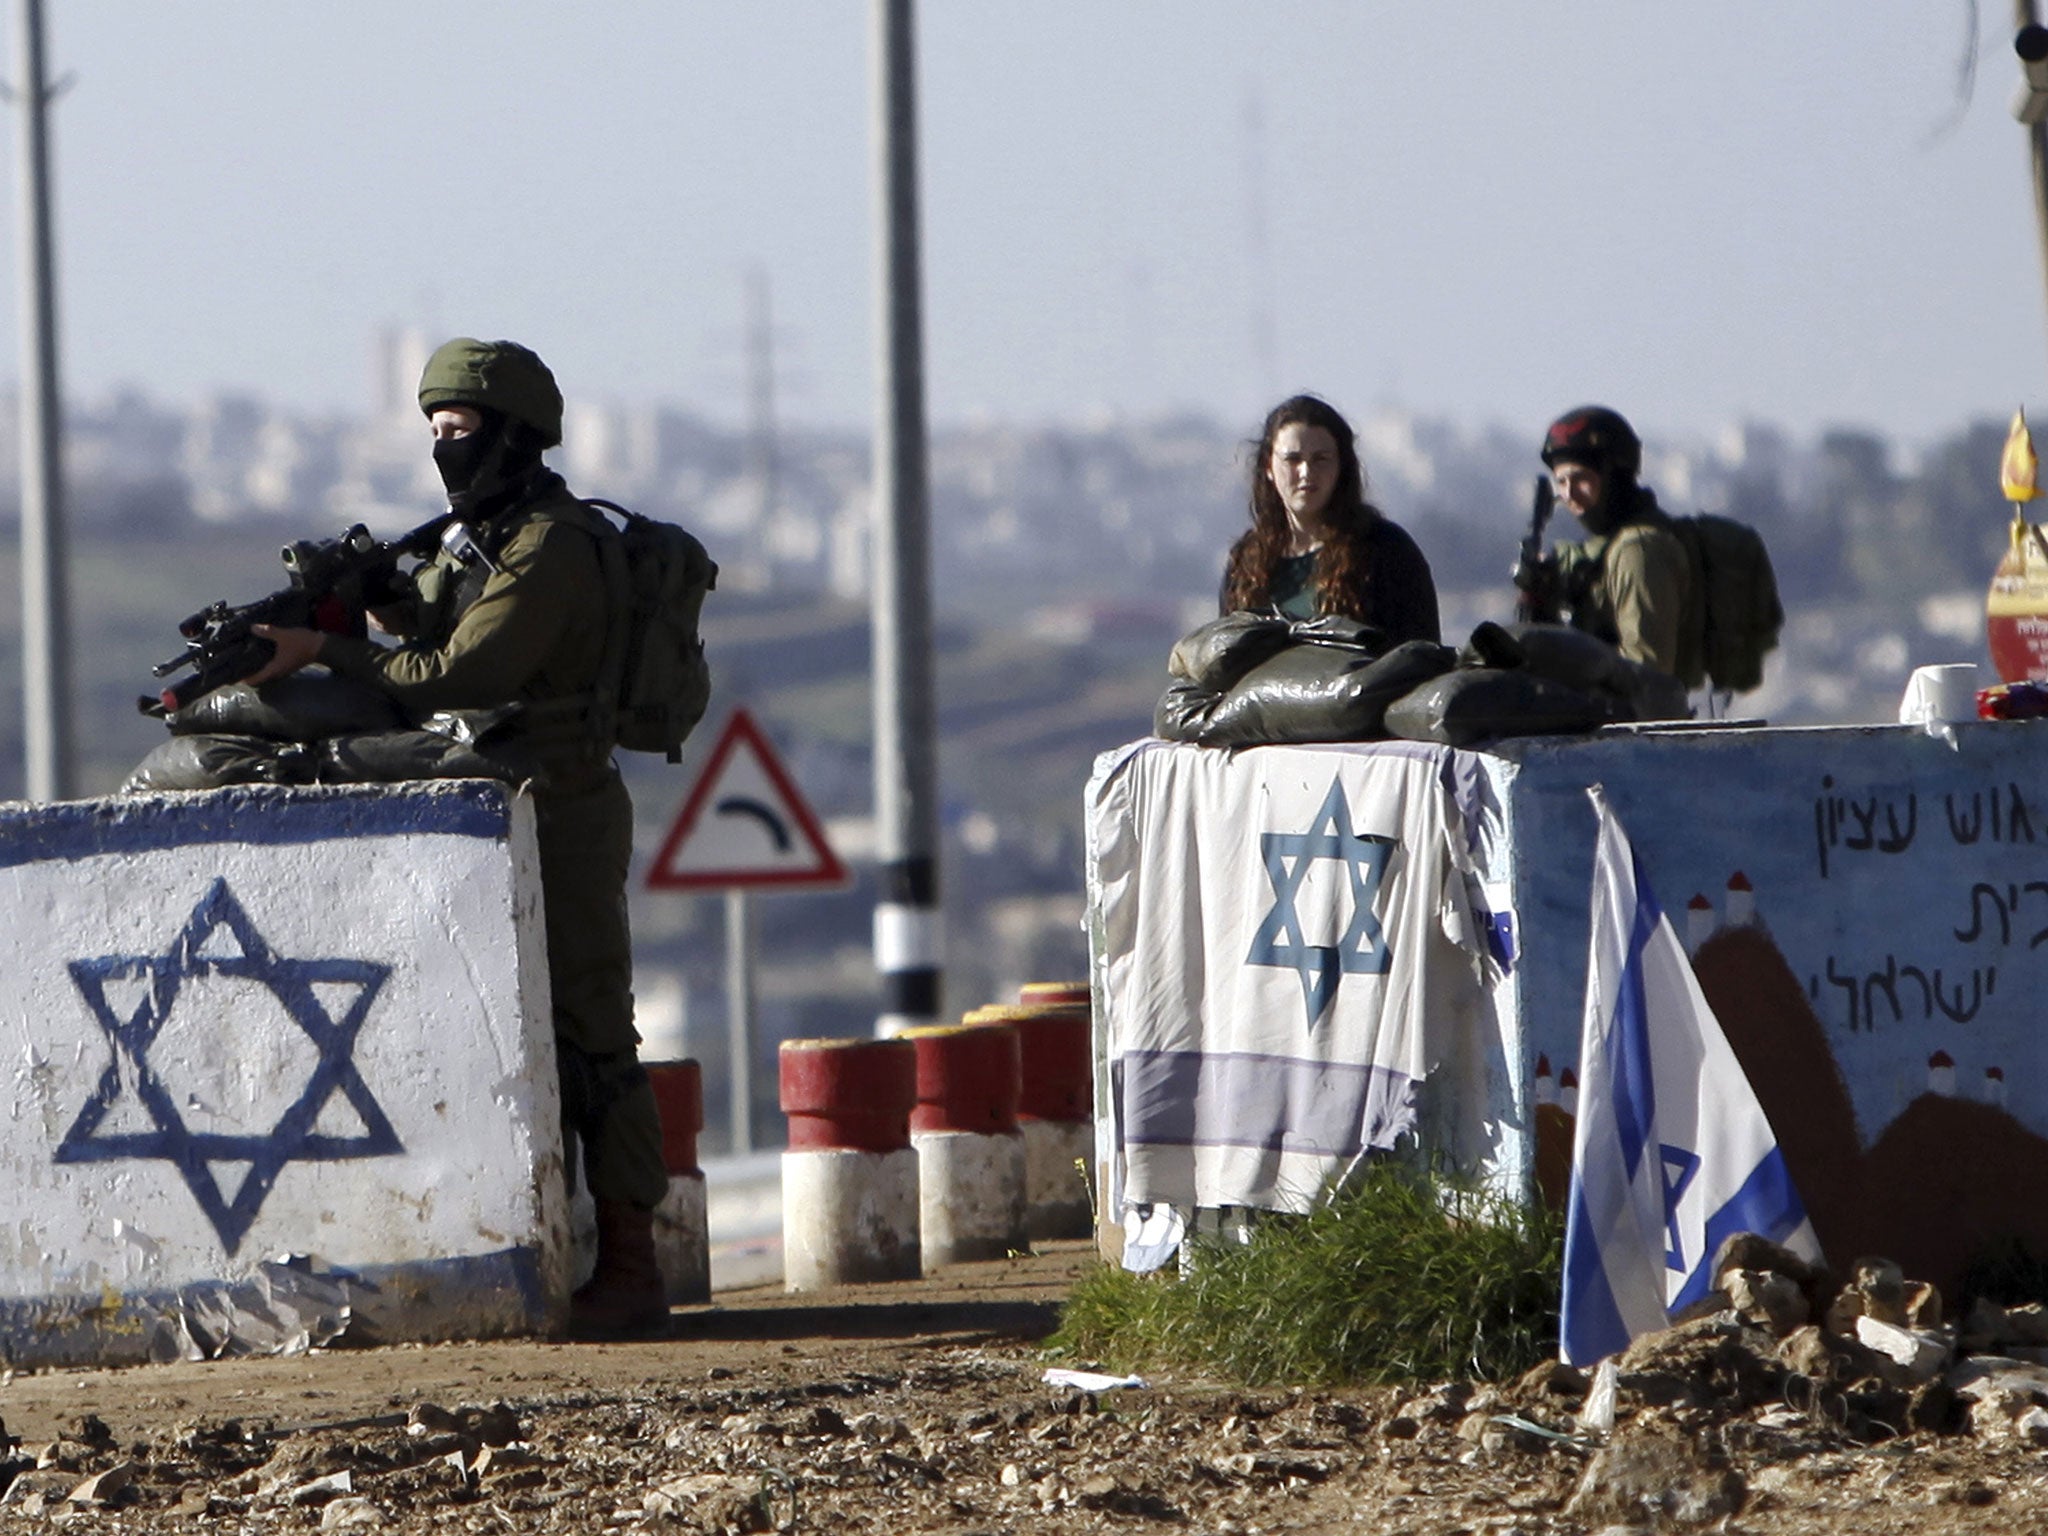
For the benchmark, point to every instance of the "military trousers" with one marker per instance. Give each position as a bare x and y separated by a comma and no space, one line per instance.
585,832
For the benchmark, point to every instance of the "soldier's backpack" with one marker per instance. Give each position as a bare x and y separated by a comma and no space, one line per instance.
657,576
1738,614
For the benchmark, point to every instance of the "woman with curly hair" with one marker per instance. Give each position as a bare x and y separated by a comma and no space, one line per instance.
1316,546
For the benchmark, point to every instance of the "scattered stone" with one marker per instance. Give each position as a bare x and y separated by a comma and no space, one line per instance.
105,1487
351,1514
1984,1374
64,1456
41,1485
1882,1287
322,1489
493,1425
1553,1378
1771,1301
713,1501
1921,1354
1656,1478
1443,1404
1923,1305
431,1419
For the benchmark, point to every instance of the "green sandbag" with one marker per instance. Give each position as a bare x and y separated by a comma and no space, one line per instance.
1581,661
1308,692
303,706
1487,703
1223,650
216,761
392,757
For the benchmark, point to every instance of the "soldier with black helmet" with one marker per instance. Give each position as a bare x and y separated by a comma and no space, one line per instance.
1630,581
519,618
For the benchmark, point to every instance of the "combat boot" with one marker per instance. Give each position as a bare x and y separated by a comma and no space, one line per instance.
624,1296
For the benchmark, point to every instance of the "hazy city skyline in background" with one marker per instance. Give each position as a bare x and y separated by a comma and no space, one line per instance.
1704,215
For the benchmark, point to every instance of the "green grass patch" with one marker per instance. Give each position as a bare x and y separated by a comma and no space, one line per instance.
1402,1277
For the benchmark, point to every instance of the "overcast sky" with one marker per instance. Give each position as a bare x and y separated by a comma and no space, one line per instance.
1493,210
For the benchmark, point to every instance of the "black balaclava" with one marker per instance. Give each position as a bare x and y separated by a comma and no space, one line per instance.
486,471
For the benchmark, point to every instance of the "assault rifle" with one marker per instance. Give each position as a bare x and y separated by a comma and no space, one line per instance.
1535,574
333,583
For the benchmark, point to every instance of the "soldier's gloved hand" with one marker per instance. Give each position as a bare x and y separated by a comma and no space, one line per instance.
1539,589
1535,575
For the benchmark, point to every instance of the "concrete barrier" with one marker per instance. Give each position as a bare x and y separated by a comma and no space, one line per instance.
682,1234
850,1175
1055,1095
970,1154
283,1070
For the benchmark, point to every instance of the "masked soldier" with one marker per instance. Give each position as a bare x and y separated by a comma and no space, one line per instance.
1629,581
520,619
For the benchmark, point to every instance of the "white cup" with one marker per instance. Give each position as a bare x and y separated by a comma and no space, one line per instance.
1940,695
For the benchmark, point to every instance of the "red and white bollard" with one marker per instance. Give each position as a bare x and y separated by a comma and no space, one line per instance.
682,1236
1055,994
850,1174
1054,1111
970,1154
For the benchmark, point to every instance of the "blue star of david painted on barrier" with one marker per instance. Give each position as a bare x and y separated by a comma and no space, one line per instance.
1280,941
293,1137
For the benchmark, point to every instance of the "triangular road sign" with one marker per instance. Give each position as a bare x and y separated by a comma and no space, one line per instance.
744,823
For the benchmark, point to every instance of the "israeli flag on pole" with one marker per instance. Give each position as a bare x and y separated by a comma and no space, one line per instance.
1672,1153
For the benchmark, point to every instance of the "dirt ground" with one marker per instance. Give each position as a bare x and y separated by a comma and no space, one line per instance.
920,1407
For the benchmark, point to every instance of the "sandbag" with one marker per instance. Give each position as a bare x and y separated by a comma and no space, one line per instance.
1578,660
216,761
1486,703
1308,692
302,706
392,757
1223,650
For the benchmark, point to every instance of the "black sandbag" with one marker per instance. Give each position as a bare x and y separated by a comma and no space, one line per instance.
1223,650
1579,660
393,757
1319,693
1486,703
302,706
214,762
1337,629
1183,711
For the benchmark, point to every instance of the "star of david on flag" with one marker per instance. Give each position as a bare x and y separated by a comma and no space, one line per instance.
1283,939
1672,1154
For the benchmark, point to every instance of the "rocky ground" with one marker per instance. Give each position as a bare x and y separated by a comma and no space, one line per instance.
921,1407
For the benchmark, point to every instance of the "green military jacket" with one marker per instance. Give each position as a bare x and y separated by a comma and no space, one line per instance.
533,635
1633,589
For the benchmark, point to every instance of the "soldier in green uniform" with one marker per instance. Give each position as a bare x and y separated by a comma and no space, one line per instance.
525,623
1629,580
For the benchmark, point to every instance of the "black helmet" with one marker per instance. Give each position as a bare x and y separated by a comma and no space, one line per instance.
1594,435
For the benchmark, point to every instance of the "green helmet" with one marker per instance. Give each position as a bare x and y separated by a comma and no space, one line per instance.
500,374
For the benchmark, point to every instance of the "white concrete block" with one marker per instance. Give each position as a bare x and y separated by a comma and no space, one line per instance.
970,1195
1056,1155
849,1218
264,1022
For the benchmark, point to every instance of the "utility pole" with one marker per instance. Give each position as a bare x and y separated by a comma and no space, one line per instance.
742,1005
45,603
908,942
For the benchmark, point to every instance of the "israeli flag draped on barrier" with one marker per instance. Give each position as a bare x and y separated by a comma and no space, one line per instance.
1672,1153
